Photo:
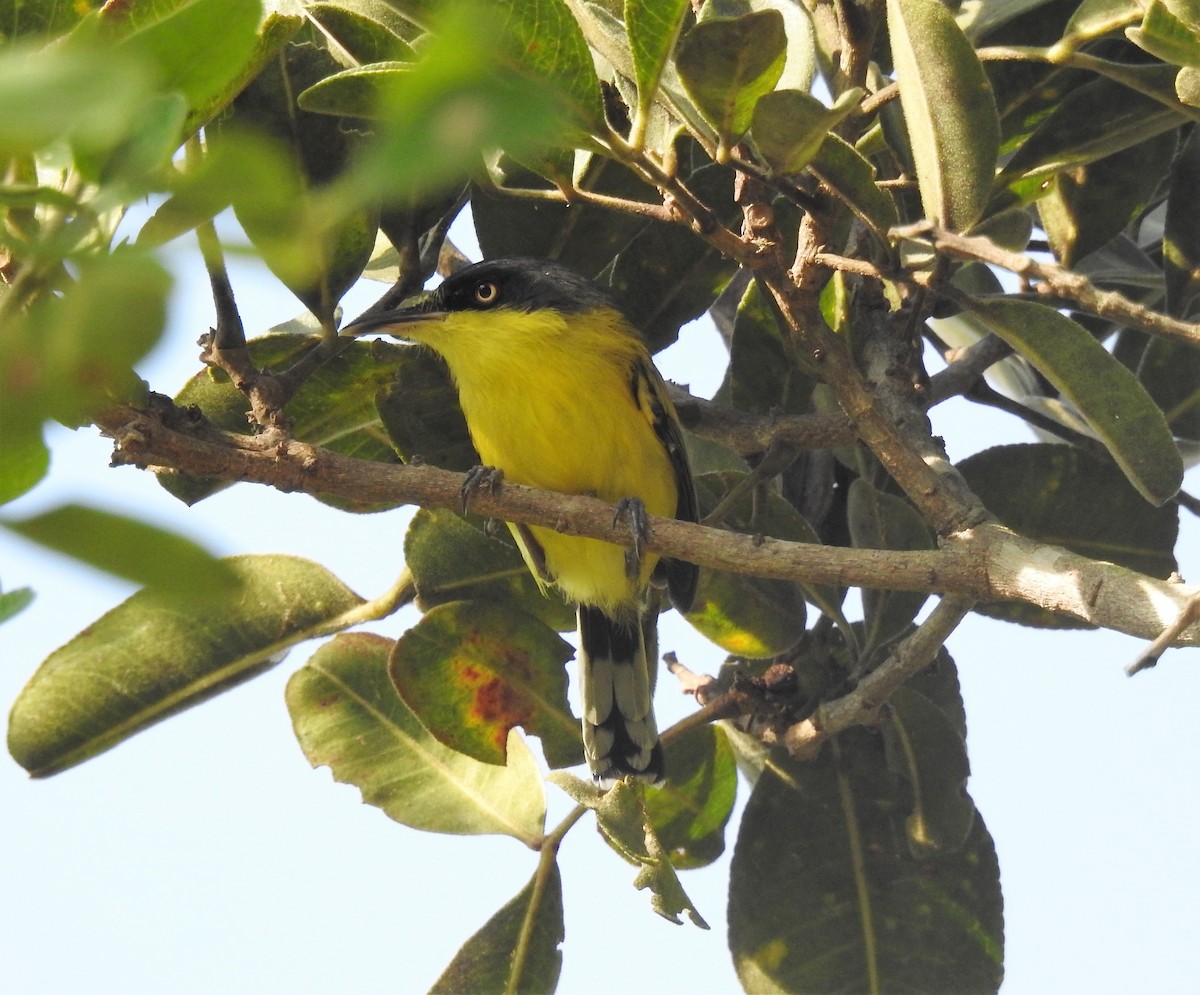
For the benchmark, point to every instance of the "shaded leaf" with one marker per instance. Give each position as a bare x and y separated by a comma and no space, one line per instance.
1086,207
690,809
128,548
452,559
924,748
825,895
155,655
852,178
949,111
885,521
727,63
347,716
1170,371
1050,493
765,373
1091,122
790,126
1181,237
746,615
486,962
622,818
336,407
473,670
1117,408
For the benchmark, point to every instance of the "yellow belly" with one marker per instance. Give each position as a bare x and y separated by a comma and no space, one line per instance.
585,434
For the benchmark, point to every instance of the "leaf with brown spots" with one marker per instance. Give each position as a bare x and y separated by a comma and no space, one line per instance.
472,670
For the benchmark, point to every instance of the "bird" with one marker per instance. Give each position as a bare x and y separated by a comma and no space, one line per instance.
559,392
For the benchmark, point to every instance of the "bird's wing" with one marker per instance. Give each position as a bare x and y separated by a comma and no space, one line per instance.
656,403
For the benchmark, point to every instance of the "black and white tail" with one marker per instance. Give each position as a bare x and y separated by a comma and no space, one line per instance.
620,736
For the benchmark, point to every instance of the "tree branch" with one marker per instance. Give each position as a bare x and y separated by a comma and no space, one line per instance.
988,562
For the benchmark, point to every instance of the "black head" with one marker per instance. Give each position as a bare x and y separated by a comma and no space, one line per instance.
521,285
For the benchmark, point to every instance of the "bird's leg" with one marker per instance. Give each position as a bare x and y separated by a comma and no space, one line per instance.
480,478
634,511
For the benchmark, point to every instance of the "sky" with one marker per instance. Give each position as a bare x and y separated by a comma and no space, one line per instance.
206,855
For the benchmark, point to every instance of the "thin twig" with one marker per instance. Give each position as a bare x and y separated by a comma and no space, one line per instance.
1189,614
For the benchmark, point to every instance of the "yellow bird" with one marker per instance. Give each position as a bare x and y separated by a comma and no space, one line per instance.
559,392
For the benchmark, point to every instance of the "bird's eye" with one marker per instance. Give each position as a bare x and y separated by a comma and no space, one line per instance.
486,293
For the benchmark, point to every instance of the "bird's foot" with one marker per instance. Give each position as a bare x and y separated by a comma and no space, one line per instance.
480,478
634,512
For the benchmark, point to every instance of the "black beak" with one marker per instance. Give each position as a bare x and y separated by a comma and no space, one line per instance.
415,311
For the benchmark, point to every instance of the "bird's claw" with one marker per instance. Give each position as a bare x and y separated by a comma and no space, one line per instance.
634,511
479,478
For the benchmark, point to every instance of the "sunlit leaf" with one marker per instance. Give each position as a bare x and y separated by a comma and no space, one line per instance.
948,110
157,654
727,63
473,670
126,547
348,717
654,26
14,602
790,126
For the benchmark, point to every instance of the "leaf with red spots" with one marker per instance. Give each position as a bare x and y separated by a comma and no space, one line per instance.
348,717
472,670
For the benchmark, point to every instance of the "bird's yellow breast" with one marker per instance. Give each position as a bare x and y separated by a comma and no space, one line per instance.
553,401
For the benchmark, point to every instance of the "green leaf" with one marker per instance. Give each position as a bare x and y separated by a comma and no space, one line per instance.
471,671
1050,493
825,896
1164,35
24,461
421,414
463,97
207,49
453,559
155,655
690,810
924,748
746,615
91,96
1094,19
1088,206
623,820
369,31
1170,372
654,27
727,63
765,373
336,407
885,521
14,602
68,355
126,547
949,111
1181,237
347,716
666,276
312,237
852,178
790,126
1115,406
1091,122
487,963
